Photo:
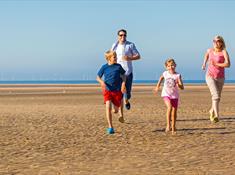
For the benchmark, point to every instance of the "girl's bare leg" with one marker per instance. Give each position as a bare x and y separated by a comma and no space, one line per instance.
168,115
173,118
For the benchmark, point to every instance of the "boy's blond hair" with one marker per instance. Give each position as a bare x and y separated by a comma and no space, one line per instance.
109,54
170,60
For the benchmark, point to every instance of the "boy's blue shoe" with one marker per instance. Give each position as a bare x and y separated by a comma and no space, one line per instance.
110,130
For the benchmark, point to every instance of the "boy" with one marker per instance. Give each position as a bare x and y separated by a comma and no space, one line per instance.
113,87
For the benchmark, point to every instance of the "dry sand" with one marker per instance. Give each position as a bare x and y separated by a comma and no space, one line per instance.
52,130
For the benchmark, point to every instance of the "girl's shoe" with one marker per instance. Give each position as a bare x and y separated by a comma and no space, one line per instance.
110,130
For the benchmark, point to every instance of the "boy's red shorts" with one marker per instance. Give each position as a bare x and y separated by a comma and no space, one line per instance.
114,96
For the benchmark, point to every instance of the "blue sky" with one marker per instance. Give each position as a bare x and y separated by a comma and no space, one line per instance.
66,40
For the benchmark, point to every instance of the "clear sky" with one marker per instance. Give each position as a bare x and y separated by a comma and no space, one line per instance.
66,40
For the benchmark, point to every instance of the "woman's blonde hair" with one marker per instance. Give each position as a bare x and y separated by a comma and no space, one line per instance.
170,60
220,38
109,54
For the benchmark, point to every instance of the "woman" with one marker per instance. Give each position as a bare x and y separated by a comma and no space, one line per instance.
218,59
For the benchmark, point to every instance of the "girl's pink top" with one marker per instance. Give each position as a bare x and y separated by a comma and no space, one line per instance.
215,71
170,88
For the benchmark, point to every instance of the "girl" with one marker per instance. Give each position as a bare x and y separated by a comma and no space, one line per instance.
170,92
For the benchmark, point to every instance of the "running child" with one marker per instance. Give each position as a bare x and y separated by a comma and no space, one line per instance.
113,87
172,80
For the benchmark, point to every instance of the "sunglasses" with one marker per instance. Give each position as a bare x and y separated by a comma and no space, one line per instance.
122,35
217,41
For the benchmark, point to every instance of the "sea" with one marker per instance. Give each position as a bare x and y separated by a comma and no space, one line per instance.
95,82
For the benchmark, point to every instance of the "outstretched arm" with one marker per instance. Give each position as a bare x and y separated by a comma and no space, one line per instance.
206,57
180,83
101,82
159,84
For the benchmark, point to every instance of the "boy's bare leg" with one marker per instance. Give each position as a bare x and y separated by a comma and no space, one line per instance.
121,109
168,115
115,109
109,113
121,117
174,117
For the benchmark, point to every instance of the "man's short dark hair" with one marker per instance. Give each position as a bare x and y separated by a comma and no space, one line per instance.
122,30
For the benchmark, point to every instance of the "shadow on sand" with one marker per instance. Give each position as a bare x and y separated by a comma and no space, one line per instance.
192,129
220,130
226,119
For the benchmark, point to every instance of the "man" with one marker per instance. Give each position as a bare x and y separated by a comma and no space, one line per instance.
126,53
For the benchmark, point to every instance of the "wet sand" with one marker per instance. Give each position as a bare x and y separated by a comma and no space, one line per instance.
56,129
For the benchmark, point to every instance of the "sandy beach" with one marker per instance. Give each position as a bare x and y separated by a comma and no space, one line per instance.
60,130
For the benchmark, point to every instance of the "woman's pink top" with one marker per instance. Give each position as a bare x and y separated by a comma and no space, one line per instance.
215,71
